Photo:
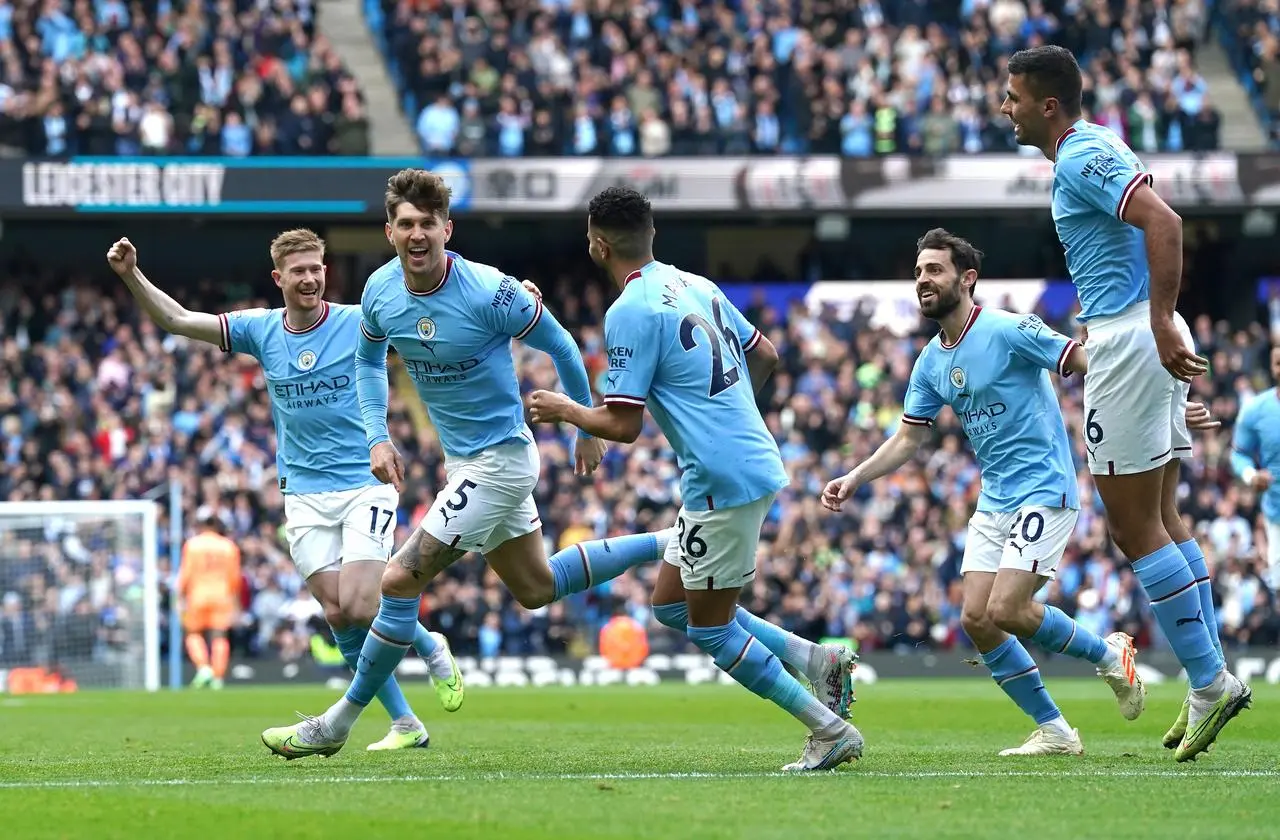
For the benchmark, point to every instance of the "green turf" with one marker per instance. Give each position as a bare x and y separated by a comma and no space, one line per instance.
610,763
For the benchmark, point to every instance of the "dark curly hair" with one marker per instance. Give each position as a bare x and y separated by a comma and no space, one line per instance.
963,255
626,217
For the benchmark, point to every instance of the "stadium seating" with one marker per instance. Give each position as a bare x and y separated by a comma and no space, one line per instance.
916,76
94,404
1251,35
205,78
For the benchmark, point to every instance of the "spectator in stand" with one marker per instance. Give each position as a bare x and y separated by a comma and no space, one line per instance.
614,78
110,78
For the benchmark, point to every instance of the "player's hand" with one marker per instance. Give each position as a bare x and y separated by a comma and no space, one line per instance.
1175,355
588,453
549,407
532,288
386,464
1261,480
122,257
1200,419
838,490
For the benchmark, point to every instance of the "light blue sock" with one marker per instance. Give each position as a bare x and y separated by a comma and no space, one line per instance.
580,567
752,665
388,641
350,641
1175,600
1200,571
788,647
1016,673
423,642
1059,633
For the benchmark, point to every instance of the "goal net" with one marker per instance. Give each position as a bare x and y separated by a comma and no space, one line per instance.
79,596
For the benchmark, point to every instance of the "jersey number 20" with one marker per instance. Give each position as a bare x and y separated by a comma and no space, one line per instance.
721,379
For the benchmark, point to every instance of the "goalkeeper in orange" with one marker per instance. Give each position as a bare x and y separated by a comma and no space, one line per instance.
209,586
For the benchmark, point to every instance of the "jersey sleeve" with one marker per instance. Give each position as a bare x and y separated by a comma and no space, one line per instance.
921,405
369,326
241,331
632,336
1033,340
1244,442
513,310
1101,177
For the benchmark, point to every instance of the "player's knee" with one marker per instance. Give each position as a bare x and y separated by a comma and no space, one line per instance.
1009,615
976,623
361,612
335,617
534,595
399,582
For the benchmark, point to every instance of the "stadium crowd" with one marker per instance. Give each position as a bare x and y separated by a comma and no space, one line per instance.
616,78
1252,35
95,403
230,78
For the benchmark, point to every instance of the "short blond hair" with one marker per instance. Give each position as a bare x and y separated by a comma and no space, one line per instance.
419,188
296,241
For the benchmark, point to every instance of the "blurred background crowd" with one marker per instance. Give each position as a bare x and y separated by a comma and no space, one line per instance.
95,403
609,77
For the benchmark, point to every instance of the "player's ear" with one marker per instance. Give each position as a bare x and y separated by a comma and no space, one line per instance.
448,229
387,230
276,276
1050,106
969,279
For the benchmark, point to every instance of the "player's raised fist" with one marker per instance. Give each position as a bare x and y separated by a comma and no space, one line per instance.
548,406
386,464
837,490
122,256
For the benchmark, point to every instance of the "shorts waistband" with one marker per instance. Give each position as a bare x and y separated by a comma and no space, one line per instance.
1132,315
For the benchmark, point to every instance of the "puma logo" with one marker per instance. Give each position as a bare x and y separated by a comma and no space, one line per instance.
444,514
613,379
1198,617
605,543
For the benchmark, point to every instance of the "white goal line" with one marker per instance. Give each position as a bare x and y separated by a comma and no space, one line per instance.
850,775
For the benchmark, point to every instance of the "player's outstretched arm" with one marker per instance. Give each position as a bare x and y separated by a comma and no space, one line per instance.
169,315
553,339
891,455
372,392
620,422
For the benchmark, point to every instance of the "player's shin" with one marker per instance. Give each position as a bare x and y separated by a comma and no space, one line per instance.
1059,633
351,641
388,641
1204,588
752,665
580,567
1016,673
1175,600
801,654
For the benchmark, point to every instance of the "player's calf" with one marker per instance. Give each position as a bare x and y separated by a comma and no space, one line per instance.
415,564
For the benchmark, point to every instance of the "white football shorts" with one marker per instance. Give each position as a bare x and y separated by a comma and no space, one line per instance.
1030,539
488,498
1134,410
716,549
325,530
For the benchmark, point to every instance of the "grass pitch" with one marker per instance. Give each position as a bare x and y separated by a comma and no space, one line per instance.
657,762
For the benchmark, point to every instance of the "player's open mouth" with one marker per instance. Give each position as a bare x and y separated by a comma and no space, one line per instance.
925,297
417,253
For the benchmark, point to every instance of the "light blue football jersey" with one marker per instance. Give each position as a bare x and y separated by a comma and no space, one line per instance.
311,377
1256,444
455,342
996,380
677,345
1094,177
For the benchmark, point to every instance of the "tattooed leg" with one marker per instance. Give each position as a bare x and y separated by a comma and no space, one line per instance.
415,564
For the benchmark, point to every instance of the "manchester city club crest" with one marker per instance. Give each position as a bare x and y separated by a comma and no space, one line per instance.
957,378
306,360
426,329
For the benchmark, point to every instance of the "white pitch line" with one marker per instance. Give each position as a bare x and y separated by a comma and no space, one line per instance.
851,775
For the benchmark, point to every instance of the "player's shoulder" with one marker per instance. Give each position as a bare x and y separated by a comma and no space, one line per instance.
386,277
476,273
1260,402
1092,150
344,314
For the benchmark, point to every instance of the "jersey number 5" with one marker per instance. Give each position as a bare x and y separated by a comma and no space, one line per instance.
721,379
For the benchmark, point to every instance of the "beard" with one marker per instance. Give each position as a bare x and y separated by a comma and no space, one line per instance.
944,302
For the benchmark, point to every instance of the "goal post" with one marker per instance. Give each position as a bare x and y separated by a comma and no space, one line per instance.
80,591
